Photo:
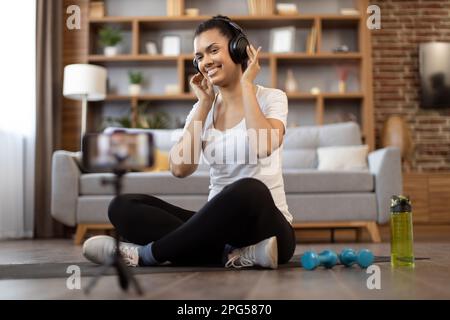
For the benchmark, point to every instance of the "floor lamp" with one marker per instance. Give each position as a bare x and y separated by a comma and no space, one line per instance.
84,82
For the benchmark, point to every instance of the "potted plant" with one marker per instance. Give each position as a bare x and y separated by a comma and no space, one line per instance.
152,119
156,120
145,120
135,82
109,38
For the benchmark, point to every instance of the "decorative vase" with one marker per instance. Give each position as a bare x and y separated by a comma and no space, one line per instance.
396,133
291,83
342,86
151,47
134,89
111,51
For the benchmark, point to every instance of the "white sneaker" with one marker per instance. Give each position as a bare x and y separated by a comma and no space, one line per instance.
263,254
100,249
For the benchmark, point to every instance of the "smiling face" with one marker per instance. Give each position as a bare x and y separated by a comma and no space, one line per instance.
213,58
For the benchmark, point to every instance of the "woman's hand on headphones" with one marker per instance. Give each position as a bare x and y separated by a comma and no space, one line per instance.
253,67
203,89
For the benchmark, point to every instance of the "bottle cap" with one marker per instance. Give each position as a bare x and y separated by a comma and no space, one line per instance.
400,203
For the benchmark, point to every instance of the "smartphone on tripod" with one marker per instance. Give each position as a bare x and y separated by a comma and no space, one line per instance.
118,152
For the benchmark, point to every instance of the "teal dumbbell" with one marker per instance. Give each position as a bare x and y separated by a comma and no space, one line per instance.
363,258
311,260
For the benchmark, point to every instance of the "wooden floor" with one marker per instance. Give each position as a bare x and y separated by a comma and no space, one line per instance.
429,280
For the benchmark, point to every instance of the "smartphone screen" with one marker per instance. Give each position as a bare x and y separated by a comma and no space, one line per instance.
119,150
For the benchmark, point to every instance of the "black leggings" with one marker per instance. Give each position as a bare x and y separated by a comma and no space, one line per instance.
242,214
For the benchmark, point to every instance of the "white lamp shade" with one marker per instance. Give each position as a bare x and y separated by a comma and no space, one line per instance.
84,80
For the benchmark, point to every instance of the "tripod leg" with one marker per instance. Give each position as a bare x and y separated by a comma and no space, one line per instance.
126,276
97,276
122,272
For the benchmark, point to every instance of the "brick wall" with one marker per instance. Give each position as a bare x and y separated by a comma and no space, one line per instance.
405,24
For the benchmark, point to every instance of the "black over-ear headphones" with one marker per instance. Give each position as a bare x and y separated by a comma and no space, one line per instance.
237,46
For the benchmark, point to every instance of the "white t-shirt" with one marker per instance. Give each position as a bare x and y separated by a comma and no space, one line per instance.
227,152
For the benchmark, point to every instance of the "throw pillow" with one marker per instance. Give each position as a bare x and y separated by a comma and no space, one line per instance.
161,161
343,157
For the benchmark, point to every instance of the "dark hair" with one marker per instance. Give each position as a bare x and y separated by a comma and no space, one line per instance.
217,22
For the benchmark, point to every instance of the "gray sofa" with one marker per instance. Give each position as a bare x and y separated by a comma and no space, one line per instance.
316,198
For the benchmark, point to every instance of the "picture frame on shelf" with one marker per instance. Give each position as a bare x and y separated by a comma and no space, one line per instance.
171,45
287,8
282,40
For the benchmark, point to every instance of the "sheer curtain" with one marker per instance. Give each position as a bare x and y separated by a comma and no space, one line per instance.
17,117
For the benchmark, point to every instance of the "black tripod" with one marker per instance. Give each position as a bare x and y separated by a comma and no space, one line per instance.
116,261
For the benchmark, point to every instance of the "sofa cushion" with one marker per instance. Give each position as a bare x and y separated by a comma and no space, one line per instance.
147,182
299,159
339,134
300,144
311,180
295,181
308,137
303,207
160,161
333,206
301,138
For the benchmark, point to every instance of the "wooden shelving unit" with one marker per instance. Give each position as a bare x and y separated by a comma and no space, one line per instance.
275,63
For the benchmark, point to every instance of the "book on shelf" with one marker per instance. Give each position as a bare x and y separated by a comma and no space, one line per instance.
311,41
251,7
286,8
174,8
260,7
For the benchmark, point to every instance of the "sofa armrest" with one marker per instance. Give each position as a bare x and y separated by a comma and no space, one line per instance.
65,186
385,165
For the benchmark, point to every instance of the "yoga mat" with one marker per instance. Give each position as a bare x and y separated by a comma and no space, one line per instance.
87,269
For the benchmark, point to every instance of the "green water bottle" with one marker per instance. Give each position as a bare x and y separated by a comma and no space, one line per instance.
402,253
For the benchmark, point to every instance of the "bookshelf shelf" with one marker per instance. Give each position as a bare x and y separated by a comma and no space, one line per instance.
262,55
238,18
310,96
188,96
318,56
152,97
132,58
